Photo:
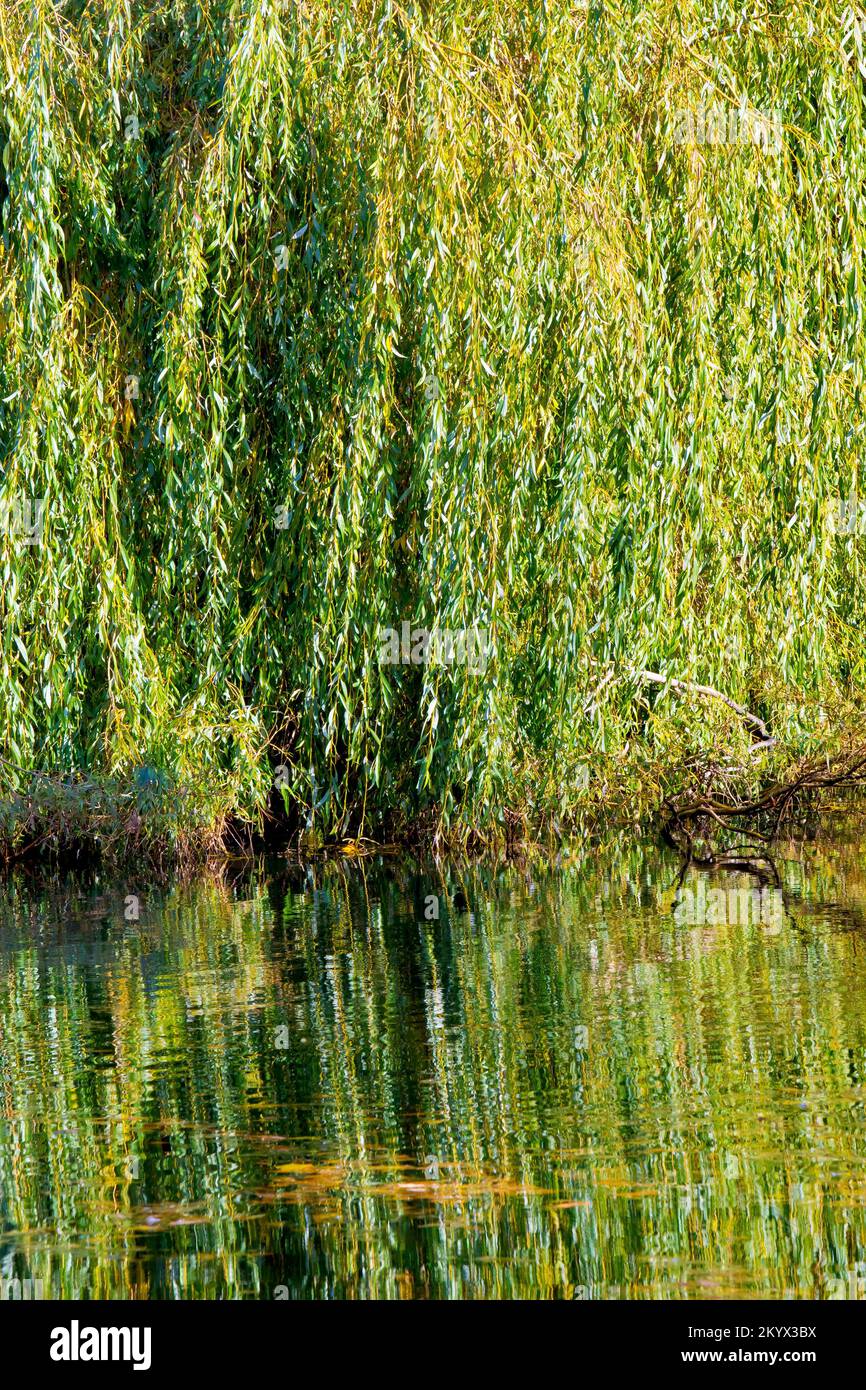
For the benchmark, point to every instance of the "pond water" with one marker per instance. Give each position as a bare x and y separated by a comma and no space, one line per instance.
301,1082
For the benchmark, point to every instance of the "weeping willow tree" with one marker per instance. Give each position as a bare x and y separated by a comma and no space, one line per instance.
317,318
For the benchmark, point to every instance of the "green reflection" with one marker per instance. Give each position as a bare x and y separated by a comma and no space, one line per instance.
293,1084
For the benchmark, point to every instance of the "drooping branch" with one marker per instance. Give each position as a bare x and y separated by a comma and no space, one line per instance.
693,688
690,816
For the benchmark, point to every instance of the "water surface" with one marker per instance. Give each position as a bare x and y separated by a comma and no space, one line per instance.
297,1082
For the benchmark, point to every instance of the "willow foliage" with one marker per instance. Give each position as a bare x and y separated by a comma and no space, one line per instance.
319,317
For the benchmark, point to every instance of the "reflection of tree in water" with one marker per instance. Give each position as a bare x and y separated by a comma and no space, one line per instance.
432,1125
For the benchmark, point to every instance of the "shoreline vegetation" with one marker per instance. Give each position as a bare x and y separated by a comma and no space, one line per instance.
322,324
721,814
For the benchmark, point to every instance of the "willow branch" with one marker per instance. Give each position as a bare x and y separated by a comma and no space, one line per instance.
693,688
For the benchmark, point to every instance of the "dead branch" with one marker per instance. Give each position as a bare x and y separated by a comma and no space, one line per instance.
694,689
689,817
